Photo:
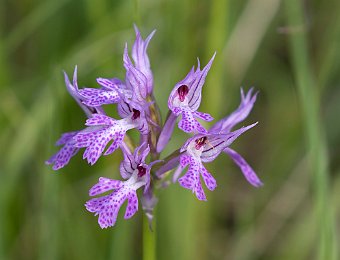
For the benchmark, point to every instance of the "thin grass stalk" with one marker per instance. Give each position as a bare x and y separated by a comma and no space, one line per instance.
310,103
213,92
216,40
37,17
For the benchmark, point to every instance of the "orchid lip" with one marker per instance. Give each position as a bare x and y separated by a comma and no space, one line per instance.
182,92
141,171
136,114
200,142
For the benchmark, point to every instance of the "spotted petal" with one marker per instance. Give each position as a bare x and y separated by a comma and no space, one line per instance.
191,180
189,124
107,207
97,119
209,180
132,206
63,156
111,84
104,185
96,141
97,97
203,116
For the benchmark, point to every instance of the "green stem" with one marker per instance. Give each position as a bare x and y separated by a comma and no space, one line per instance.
149,239
310,102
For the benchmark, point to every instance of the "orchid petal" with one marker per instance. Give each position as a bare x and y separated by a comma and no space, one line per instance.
247,171
246,105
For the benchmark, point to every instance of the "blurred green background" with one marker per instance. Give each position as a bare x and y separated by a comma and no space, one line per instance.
288,50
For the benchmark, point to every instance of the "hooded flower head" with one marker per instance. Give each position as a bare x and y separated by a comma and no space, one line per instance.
136,162
186,97
135,79
141,59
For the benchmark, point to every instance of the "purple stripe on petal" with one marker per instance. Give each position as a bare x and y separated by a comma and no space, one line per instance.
217,142
141,58
194,94
111,84
135,79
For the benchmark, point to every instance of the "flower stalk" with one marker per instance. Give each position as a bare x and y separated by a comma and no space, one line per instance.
149,239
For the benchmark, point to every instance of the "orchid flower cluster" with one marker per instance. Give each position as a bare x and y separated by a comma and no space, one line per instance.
141,166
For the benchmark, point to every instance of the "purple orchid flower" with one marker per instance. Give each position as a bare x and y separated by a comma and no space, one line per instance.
206,147
107,207
184,100
186,97
226,124
137,173
101,130
136,161
63,156
133,108
203,148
